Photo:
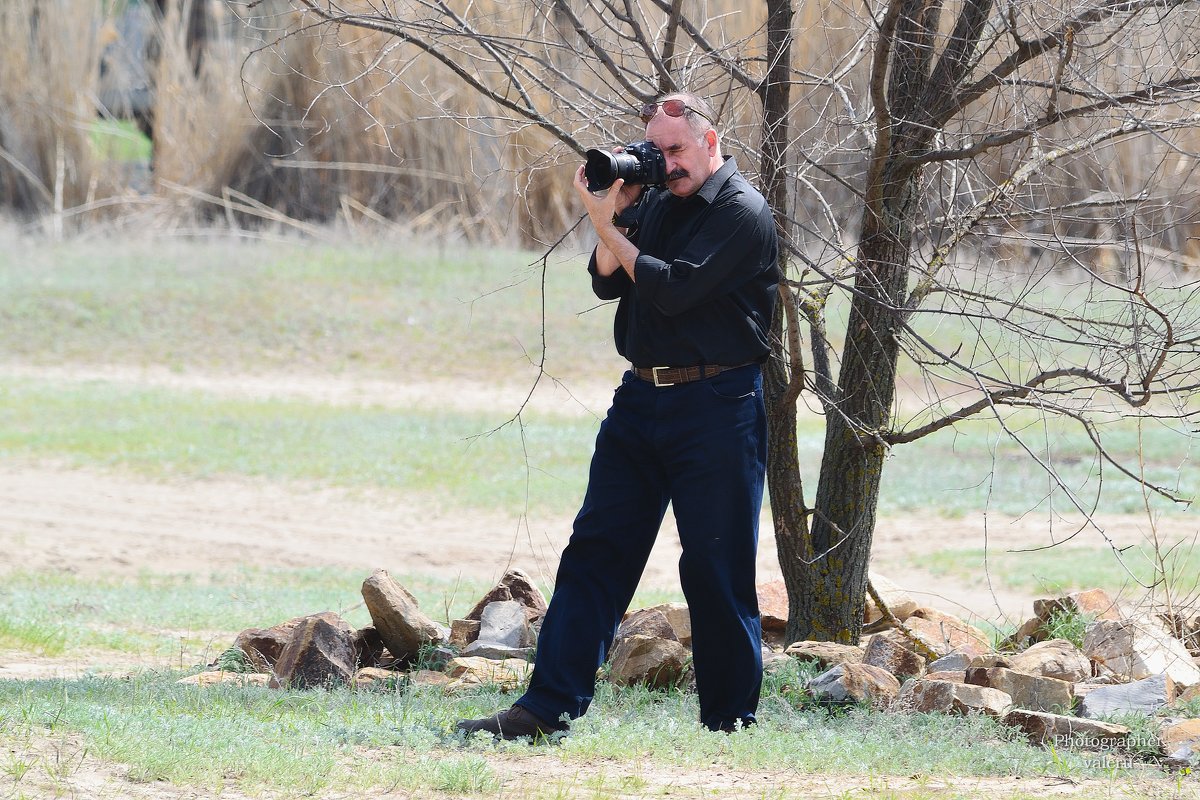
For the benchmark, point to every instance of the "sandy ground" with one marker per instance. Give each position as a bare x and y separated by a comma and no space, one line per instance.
108,522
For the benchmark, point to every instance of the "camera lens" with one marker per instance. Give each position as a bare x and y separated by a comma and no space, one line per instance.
600,170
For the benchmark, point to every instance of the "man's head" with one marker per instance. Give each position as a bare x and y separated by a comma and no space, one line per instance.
688,142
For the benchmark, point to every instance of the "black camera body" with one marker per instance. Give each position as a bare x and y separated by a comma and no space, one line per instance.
639,163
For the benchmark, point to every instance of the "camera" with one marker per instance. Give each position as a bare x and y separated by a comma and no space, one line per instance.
641,162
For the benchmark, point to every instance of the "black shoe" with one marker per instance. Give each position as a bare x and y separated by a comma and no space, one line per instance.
511,724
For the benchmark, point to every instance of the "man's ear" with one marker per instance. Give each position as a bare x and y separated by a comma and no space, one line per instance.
710,138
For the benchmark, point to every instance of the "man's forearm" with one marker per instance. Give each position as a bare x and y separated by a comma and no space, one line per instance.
614,251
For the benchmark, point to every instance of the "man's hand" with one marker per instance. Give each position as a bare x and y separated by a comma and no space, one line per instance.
614,251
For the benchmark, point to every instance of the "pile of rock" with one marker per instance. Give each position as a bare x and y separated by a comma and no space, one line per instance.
917,660
1052,690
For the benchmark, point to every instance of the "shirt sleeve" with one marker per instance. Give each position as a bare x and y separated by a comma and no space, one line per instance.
611,287
731,237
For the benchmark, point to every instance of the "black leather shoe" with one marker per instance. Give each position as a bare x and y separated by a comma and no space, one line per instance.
512,723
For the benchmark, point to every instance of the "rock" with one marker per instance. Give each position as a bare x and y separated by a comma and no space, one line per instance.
989,660
463,632
508,674
504,632
949,697
318,653
954,662
646,622
826,654
944,634
1132,650
514,585
1065,731
1176,734
648,660
1095,603
428,677
855,683
773,606
1030,692
898,601
215,677
680,618
497,652
504,623
263,646
401,625
773,660
1139,697
954,675
1053,658
1030,632
368,647
892,651
376,678
1189,694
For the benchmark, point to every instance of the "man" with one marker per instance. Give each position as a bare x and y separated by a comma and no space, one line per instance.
694,268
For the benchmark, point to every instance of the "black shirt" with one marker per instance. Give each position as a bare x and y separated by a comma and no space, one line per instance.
707,276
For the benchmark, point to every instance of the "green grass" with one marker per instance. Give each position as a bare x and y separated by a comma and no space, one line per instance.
394,309
185,620
262,740
459,458
420,312
446,456
1069,567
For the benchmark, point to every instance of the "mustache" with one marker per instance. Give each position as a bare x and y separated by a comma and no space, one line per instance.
678,172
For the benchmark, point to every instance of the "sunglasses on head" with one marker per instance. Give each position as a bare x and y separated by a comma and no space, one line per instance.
672,108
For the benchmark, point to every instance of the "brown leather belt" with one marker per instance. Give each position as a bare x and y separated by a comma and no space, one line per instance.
669,376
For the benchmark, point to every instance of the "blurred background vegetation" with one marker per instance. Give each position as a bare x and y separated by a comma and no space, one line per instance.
178,112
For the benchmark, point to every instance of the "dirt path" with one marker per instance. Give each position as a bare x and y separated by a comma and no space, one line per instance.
91,521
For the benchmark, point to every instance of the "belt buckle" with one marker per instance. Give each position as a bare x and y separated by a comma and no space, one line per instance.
654,374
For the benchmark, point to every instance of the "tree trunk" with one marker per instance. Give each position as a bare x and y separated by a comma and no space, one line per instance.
843,520
784,481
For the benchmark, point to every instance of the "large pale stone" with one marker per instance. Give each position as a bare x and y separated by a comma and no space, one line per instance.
898,601
1138,697
951,697
394,612
648,660
826,654
1053,658
1132,650
1031,692
504,632
514,585
504,622
1066,731
319,653
855,683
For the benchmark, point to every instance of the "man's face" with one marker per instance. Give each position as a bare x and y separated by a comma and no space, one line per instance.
689,158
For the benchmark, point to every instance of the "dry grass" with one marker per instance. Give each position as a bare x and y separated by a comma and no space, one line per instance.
289,120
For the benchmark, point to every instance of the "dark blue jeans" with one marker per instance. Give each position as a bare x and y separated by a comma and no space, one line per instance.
701,447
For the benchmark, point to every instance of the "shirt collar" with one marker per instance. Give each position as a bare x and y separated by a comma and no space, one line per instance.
708,190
